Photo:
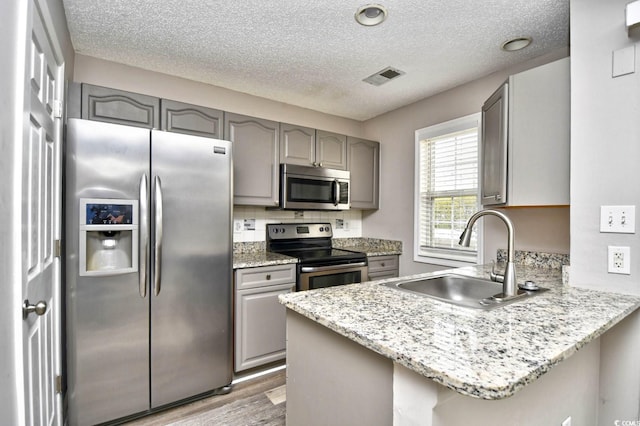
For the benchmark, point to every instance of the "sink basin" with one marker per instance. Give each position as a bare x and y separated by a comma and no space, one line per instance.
461,290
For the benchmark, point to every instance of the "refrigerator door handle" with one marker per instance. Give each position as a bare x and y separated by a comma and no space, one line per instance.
157,250
144,235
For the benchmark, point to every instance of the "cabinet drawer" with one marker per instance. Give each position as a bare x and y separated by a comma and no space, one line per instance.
382,263
383,275
265,276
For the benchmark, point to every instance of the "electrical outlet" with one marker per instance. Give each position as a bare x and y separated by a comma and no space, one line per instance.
567,421
619,260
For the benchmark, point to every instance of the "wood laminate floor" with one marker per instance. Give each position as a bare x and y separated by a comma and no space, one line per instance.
259,401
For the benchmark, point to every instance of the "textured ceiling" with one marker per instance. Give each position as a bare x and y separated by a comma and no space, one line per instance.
314,54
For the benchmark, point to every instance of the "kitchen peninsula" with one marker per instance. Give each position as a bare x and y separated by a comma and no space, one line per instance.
369,354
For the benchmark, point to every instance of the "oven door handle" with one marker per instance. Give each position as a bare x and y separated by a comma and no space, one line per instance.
306,269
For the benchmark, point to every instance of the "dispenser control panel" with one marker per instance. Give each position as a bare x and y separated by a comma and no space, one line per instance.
108,214
108,236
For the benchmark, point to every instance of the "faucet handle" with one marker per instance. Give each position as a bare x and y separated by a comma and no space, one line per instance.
494,275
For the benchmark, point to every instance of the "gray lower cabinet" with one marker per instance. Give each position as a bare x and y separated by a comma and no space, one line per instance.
383,267
255,158
364,164
113,106
260,320
190,119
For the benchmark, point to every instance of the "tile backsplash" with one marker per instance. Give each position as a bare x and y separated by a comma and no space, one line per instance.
249,223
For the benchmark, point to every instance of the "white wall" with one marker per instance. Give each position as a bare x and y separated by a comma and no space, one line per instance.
396,133
605,148
605,153
110,74
249,223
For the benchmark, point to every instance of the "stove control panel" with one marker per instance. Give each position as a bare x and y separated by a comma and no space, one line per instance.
283,231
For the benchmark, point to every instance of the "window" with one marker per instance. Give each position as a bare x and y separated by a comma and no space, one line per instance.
446,191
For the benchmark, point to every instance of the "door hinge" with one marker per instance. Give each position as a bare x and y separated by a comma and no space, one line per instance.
58,384
57,109
57,248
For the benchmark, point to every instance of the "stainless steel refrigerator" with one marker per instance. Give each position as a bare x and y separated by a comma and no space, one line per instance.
148,269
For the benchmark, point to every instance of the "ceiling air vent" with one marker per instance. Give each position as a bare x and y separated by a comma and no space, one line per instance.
383,76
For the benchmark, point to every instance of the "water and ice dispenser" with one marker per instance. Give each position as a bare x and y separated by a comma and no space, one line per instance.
108,236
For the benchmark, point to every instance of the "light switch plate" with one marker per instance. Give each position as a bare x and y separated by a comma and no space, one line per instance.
618,219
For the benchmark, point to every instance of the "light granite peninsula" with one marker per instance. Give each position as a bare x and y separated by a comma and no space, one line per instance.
369,354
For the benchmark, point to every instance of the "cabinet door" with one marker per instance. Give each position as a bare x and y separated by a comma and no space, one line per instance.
194,120
260,326
255,157
539,135
364,164
297,145
331,150
382,267
494,148
119,107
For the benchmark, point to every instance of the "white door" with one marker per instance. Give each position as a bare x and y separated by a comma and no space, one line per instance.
41,162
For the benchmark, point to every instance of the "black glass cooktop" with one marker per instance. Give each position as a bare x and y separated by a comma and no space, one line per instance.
335,255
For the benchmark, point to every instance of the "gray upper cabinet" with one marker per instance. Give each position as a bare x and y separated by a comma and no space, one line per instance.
255,157
331,150
191,119
364,164
297,145
308,147
119,107
526,139
495,127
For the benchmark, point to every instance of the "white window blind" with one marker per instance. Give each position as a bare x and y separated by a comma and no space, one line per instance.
447,191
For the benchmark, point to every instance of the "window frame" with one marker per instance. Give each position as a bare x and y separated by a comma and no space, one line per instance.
439,256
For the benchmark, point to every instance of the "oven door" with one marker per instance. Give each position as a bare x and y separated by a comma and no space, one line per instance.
312,277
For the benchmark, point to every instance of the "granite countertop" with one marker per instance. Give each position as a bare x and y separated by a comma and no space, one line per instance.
370,246
484,354
254,254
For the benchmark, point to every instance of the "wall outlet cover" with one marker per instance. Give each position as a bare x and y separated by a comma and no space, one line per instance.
619,260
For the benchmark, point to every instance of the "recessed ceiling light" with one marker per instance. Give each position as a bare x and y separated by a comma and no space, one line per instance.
371,14
516,44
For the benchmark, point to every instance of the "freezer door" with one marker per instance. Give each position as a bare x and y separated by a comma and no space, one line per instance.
192,279
107,320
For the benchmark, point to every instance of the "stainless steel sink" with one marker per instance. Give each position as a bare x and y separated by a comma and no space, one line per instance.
462,290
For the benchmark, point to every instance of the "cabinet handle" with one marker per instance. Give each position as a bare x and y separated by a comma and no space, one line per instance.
268,277
382,264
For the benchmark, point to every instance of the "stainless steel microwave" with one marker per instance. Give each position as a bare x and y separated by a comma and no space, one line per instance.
313,188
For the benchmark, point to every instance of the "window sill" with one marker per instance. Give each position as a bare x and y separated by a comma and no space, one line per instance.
450,261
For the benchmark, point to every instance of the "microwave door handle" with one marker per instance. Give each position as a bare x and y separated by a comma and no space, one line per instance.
336,192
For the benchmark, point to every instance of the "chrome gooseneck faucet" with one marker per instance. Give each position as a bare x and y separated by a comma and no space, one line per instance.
508,280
